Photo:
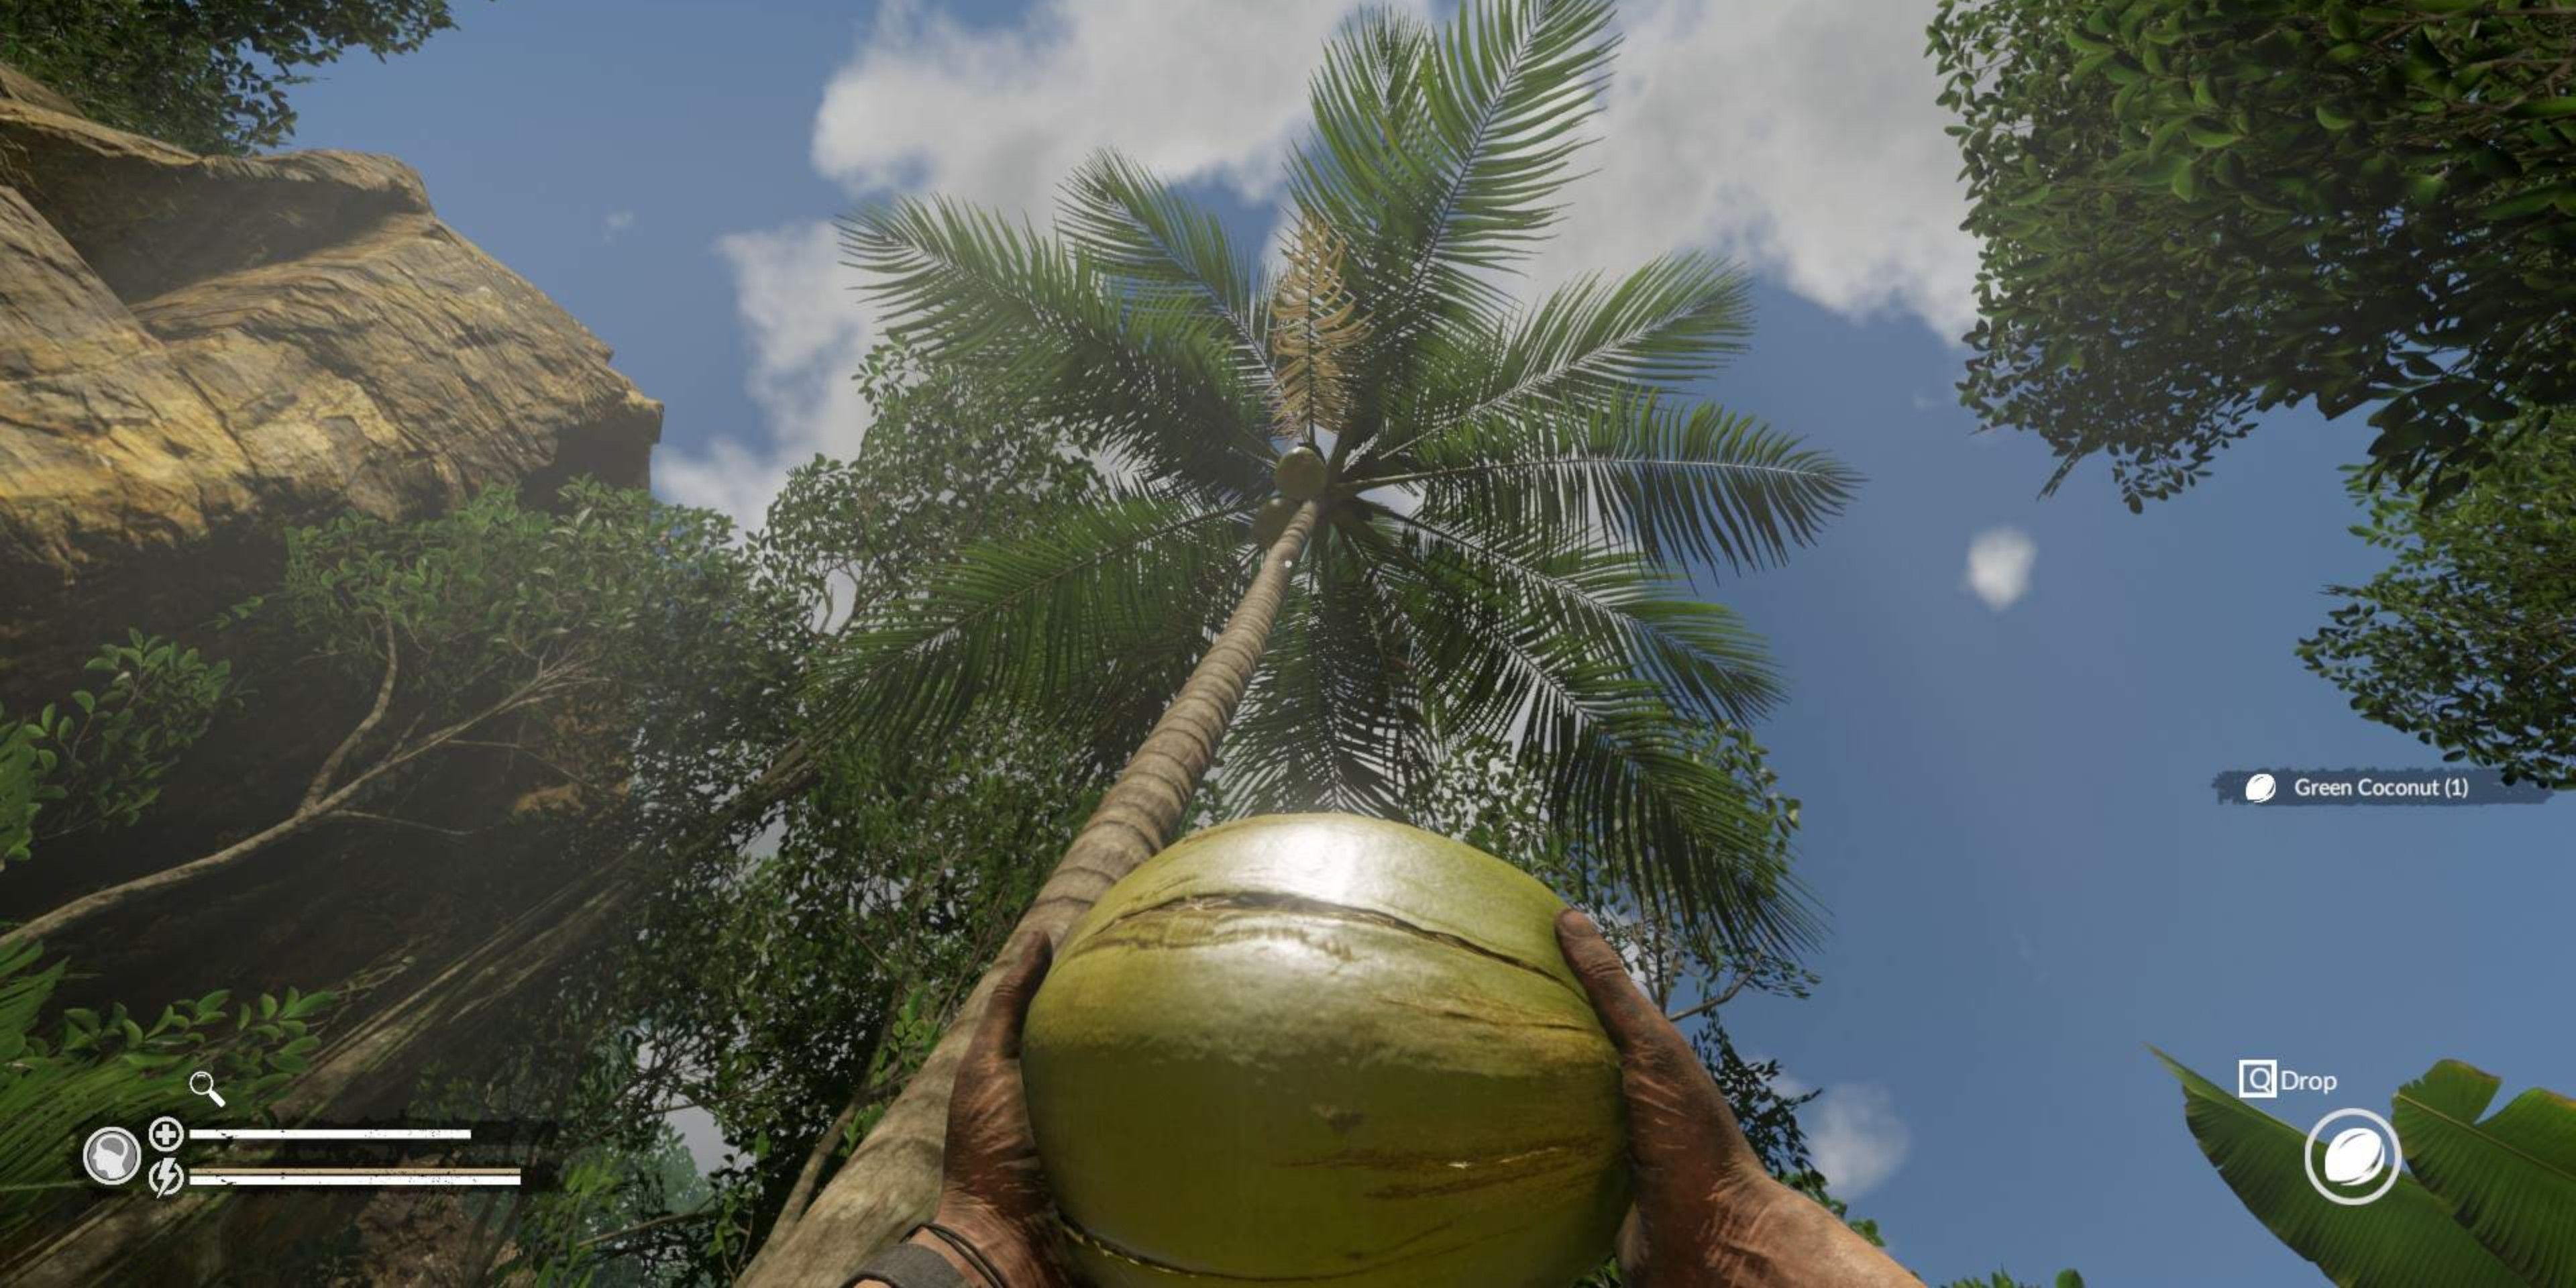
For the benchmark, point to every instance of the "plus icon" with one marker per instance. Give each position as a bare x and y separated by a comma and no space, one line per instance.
166,1133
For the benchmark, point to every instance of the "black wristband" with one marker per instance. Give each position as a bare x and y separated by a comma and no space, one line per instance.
910,1265
967,1250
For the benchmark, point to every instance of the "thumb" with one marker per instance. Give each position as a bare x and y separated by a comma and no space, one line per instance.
1634,1025
998,1035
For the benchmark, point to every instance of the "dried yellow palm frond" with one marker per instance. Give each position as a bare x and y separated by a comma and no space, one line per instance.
1314,327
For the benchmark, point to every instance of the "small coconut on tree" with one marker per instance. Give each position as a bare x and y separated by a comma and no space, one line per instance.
1366,497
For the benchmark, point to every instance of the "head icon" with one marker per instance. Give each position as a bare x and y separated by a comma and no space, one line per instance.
111,1156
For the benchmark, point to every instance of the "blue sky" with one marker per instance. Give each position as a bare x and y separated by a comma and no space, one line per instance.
2008,815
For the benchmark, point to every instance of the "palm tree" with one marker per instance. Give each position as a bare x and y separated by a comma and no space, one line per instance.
1467,518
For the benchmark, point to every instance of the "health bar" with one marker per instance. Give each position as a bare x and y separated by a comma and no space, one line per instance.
406,1176
330,1133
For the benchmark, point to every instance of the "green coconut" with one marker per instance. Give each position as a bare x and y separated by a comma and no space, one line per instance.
1321,1049
1301,473
1271,520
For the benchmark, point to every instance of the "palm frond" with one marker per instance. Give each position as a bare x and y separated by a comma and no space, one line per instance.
1589,345
1440,156
1151,379
1315,331
1368,117
1523,659
1041,621
1511,84
1336,719
1161,244
1683,485
1609,602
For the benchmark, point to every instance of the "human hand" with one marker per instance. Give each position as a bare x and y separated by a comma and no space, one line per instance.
992,1193
1707,1212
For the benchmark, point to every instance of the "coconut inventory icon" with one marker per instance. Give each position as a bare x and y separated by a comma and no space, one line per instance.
2353,1158
2260,788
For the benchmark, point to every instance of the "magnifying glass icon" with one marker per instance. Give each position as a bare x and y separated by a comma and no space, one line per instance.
203,1083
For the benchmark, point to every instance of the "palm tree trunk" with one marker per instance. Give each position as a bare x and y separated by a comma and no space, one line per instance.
892,1179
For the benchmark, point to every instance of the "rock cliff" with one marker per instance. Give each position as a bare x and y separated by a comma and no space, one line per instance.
196,352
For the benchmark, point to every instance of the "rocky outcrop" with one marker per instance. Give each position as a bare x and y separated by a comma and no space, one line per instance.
197,352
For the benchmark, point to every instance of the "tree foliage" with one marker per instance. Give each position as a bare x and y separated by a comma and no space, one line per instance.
2197,210
62,1075
2468,639
2004,1279
612,636
207,75
947,462
789,990
603,648
615,659
97,760
785,980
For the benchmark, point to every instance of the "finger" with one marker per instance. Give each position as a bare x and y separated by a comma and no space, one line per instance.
1631,1245
998,1036
1635,1026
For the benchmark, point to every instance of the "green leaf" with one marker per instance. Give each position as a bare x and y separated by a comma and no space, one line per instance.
2186,182
1162,384
2165,134
1586,347
1440,156
1050,618
1165,246
2510,1179
2082,44
1688,484
2528,202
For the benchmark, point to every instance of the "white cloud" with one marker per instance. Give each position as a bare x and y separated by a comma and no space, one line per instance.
618,221
1999,562
1797,136
807,333
999,115
1854,1136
